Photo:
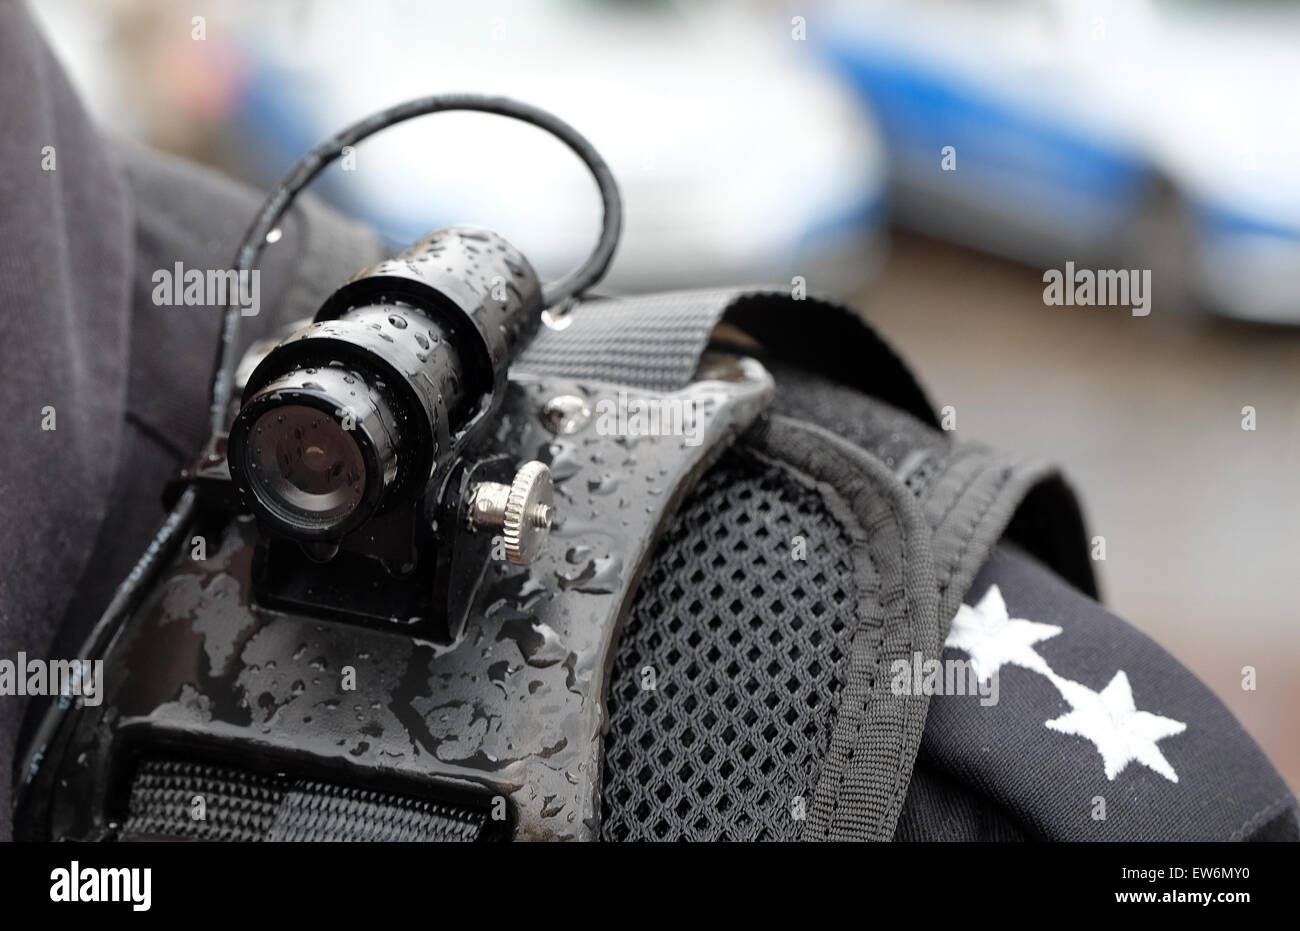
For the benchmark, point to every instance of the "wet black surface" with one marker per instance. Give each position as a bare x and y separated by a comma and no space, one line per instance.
514,707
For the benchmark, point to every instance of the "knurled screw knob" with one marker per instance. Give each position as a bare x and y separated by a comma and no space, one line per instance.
522,511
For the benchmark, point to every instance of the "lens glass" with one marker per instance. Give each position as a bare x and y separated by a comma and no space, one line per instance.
304,466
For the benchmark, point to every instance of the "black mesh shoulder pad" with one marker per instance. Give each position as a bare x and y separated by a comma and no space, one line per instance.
837,538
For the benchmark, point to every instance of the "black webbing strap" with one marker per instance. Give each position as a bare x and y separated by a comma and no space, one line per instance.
655,341
174,799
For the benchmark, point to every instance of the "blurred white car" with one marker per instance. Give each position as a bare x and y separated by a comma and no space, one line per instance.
1120,132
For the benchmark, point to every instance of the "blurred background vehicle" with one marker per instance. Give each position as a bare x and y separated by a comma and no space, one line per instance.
756,141
1157,134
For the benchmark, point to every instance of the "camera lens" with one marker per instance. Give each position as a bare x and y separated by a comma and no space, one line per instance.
304,464
316,450
354,415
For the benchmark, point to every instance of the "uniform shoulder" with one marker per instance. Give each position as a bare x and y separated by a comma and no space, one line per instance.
1081,728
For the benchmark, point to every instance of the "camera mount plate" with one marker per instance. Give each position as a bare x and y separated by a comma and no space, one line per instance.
512,709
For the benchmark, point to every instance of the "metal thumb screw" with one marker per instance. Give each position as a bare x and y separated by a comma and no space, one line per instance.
522,510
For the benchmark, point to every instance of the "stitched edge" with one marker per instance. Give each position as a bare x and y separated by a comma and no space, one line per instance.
916,609
968,536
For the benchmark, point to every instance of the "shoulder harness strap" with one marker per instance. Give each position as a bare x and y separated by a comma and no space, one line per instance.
923,511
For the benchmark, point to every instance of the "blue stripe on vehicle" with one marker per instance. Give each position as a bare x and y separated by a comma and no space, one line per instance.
920,112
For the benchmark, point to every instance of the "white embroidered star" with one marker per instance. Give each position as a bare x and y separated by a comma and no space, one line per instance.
991,638
1111,721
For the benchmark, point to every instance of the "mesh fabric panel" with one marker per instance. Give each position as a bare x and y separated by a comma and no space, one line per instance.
244,806
747,645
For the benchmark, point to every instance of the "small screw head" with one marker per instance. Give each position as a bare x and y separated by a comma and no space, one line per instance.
565,414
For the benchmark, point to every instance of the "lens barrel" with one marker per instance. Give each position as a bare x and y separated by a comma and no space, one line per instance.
355,413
